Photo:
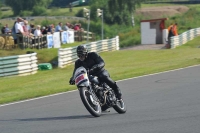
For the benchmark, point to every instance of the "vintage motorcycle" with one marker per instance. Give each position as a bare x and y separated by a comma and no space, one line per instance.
96,95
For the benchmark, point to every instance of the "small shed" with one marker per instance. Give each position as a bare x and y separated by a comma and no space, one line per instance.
153,31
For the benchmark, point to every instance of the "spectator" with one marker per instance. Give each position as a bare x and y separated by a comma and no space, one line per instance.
59,27
170,34
49,30
81,27
19,30
44,30
52,28
7,30
3,29
66,27
28,27
37,31
162,25
175,32
18,26
77,27
25,28
32,29
14,33
169,28
71,26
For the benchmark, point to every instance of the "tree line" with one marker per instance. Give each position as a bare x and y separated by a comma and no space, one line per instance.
115,11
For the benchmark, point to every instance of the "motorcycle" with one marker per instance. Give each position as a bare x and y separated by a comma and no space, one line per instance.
96,95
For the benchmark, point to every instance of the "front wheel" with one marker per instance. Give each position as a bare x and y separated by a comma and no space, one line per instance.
120,107
91,104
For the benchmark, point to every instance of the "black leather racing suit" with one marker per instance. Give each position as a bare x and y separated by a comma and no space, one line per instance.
93,59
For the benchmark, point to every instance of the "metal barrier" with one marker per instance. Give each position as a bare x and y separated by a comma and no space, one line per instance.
184,37
18,65
32,42
67,56
82,35
23,42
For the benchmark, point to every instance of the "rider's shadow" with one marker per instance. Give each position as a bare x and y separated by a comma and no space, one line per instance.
57,118
62,118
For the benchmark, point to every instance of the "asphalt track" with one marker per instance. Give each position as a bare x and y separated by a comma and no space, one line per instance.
162,103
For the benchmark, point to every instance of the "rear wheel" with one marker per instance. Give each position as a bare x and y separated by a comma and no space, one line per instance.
90,102
120,107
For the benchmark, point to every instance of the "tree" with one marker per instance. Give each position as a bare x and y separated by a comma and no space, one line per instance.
116,11
26,5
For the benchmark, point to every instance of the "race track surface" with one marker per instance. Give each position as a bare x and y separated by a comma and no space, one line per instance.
161,103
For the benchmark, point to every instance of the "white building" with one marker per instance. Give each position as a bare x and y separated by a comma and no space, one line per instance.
153,31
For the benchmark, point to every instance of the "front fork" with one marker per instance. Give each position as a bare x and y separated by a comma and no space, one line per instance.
93,96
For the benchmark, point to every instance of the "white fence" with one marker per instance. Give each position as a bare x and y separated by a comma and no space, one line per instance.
67,56
18,65
184,37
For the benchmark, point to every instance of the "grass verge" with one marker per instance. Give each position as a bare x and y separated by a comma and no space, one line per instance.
120,64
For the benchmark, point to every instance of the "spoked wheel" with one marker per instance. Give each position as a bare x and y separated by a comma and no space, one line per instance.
91,103
120,106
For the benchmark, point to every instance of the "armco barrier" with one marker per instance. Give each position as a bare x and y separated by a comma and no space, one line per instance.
67,56
184,37
18,65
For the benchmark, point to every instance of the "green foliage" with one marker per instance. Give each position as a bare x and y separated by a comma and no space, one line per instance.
25,13
79,13
46,22
26,5
115,11
39,10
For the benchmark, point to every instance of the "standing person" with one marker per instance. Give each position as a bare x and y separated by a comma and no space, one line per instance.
95,64
14,33
170,34
169,28
175,32
66,27
37,31
59,27
49,29
26,28
44,30
37,34
77,27
19,30
32,29
18,26
3,30
7,29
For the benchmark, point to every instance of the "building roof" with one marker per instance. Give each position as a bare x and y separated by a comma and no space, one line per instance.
153,20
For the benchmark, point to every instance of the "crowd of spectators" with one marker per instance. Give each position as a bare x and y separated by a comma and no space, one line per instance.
21,26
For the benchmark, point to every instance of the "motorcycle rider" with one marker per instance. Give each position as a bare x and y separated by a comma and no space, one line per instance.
95,64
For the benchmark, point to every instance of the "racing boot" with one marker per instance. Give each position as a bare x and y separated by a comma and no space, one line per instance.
105,109
118,93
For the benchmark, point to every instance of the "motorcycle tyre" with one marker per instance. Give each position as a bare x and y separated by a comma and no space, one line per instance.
86,103
119,109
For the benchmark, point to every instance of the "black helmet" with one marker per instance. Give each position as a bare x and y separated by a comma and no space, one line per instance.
81,50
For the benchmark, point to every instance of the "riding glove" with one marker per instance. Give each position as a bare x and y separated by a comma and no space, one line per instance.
71,81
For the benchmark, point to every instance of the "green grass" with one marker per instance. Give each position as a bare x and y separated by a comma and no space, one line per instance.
120,64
